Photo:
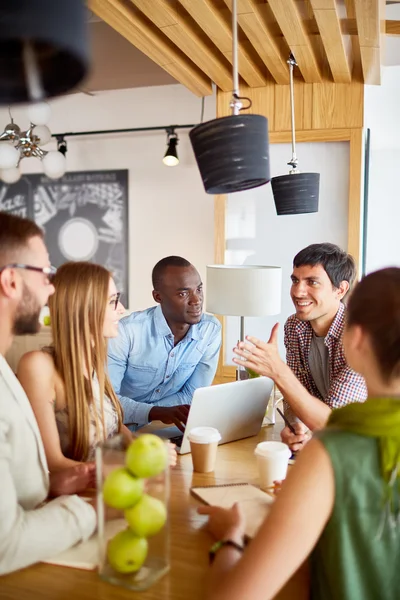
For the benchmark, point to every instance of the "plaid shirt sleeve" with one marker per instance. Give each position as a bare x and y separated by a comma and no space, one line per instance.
347,386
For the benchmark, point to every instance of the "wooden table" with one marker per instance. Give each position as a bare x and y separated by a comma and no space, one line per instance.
189,542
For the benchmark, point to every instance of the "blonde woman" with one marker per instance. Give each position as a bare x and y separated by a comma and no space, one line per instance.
67,384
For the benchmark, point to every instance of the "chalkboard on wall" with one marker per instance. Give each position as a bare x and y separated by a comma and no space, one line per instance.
84,216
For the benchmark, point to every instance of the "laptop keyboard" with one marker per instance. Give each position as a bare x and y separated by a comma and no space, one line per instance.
177,440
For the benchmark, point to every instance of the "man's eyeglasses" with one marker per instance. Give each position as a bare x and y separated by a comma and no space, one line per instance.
48,271
115,300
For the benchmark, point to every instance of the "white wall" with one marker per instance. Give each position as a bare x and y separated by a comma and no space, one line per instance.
257,236
169,212
382,117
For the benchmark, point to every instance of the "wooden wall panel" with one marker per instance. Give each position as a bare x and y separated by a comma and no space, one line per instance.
282,118
308,103
338,105
355,186
317,106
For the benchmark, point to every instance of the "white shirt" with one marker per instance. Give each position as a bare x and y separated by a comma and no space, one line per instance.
29,531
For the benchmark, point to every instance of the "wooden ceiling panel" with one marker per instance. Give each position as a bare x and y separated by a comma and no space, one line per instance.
370,17
210,18
250,63
289,20
355,44
392,28
336,41
183,32
152,43
258,31
327,18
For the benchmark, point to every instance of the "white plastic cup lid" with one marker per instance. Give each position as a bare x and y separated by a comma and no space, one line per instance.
272,448
204,435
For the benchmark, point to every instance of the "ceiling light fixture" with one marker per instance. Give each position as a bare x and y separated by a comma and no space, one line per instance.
44,49
171,158
16,145
295,193
62,145
232,153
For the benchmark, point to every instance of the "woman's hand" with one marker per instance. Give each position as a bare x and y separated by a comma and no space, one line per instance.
73,480
225,523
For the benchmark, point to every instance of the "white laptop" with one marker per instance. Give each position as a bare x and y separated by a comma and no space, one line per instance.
236,409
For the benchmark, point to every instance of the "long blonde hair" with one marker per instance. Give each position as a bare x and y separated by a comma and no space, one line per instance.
77,312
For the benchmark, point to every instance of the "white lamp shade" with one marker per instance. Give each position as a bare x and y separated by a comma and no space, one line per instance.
244,291
10,175
54,164
39,113
43,133
9,156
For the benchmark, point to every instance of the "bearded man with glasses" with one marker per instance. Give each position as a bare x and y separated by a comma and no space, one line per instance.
30,531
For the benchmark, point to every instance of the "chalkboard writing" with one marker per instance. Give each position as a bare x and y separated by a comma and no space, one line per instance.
15,199
84,216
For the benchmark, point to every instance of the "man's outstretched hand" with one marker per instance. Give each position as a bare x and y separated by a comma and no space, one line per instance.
261,357
176,415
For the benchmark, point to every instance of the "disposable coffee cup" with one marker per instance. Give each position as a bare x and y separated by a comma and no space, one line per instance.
272,462
203,445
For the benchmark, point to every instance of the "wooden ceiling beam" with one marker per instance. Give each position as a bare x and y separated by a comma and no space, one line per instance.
144,36
185,35
339,58
261,36
357,74
347,26
291,23
392,27
370,15
216,28
260,33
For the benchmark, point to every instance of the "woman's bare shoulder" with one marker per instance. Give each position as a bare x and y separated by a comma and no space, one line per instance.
37,362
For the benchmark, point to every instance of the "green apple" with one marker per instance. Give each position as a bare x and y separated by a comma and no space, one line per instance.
126,552
252,374
46,320
121,489
147,456
147,517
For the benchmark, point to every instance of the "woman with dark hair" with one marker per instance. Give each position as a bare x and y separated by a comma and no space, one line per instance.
340,504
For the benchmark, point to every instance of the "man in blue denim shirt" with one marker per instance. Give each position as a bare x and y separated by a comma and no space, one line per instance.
162,354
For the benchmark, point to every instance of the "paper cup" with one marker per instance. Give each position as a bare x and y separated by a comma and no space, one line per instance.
272,462
203,445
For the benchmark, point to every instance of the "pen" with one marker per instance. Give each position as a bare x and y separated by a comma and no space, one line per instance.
288,423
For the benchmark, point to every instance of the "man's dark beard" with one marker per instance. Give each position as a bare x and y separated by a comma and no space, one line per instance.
26,320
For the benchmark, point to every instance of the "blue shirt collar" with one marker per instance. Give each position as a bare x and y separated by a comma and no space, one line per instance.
163,329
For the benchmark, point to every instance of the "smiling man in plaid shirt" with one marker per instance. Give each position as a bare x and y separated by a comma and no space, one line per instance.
316,376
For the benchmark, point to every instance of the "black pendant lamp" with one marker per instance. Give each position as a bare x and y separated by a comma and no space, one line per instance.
295,193
232,153
44,49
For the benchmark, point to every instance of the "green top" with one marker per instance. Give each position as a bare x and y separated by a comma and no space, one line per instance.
358,554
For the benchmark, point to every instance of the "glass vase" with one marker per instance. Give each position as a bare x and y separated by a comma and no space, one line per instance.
111,456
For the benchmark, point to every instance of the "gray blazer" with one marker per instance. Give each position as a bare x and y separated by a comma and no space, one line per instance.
31,531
